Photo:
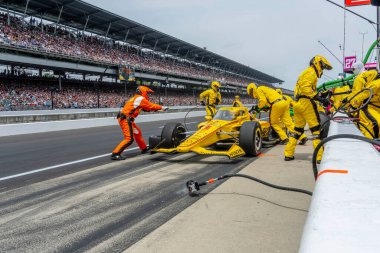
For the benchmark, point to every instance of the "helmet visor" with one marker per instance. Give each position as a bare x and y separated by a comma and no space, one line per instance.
325,65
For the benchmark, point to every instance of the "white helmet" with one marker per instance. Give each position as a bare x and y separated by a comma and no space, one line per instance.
358,67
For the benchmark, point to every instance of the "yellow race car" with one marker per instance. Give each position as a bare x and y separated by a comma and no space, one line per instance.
232,132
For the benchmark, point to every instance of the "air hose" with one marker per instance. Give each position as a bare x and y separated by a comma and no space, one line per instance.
338,136
184,120
335,118
341,108
193,186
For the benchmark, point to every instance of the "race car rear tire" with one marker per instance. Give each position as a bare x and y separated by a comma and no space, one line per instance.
250,138
171,135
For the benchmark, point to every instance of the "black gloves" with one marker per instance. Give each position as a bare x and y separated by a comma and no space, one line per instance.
345,100
217,101
324,101
203,103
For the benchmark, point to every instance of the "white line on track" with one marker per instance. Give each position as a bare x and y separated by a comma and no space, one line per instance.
59,165
187,123
54,121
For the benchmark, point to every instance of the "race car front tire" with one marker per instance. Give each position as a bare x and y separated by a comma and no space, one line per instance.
250,138
172,135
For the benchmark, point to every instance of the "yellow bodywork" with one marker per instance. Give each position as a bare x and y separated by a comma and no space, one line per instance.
224,126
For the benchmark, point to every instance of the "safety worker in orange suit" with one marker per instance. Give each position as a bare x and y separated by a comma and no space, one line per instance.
126,117
211,98
306,109
279,109
303,139
237,102
369,115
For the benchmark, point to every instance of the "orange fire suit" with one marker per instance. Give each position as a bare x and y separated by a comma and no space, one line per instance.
126,121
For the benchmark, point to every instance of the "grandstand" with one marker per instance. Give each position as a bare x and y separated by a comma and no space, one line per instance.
66,53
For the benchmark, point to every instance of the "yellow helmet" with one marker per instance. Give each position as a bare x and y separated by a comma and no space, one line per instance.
251,89
320,63
237,97
215,85
279,91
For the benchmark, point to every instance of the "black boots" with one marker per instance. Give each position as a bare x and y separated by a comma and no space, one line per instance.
117,157
287,158
145,150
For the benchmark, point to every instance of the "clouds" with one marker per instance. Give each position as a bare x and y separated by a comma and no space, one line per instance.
276,37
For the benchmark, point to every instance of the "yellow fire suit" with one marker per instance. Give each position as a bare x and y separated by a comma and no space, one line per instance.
361,80
341,93
291,103
305,111
288,99
279,109
213,98
370,115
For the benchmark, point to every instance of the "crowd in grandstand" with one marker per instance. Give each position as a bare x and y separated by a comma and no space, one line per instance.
37,36
29,94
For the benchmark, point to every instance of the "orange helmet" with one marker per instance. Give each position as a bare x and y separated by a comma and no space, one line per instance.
143,91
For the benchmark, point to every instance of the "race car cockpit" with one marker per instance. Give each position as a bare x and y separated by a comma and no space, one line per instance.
224,115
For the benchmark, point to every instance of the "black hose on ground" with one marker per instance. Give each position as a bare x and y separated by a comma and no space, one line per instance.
194,186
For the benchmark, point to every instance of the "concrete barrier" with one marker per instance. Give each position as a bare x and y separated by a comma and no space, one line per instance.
71,114
344,215
61,125
14,117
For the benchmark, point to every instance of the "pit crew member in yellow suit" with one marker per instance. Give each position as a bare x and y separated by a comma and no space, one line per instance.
237,102
370,115
279,109
303,139
306,109
211,98
339,95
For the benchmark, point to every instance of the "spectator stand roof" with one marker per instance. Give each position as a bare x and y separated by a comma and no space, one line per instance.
86,17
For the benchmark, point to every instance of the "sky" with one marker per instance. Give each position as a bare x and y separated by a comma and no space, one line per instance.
276,37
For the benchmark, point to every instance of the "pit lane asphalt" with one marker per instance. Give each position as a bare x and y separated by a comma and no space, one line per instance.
97,205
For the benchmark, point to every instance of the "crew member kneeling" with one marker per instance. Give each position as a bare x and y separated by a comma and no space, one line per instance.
126,121
369,115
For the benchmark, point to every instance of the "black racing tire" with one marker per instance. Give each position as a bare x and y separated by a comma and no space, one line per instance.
251,138
171,135
154,141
